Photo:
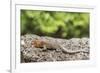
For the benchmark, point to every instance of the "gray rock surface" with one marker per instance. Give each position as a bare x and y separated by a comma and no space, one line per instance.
55,49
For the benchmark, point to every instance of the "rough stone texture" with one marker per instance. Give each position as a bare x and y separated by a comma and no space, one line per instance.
69,50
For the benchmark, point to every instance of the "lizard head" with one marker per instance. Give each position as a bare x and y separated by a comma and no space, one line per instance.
38,43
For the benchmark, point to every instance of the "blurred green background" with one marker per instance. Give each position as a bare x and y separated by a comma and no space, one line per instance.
55,23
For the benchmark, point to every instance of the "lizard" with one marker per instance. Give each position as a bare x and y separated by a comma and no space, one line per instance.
41,43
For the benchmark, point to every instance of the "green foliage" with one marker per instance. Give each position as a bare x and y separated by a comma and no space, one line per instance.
55,23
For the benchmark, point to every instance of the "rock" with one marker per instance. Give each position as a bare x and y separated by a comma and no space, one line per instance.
79,48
